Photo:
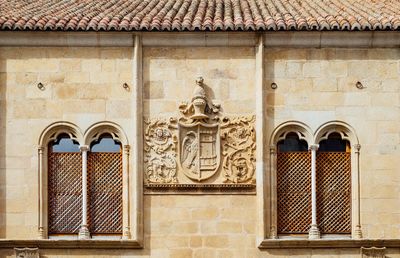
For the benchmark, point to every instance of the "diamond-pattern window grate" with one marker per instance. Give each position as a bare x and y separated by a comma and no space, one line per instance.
64,192
334,192
294,192
105,192
333,171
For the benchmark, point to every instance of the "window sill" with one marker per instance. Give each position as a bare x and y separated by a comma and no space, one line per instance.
71,244
327,243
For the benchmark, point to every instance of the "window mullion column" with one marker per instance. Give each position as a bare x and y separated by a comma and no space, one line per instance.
42,232
274,201
126,232
84,231
314,231
356,171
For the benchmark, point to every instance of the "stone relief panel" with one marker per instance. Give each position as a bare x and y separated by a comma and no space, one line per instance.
200,148
373,252
238,136
160,151
26,252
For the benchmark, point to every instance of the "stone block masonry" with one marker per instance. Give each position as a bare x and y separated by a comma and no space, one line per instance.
84,86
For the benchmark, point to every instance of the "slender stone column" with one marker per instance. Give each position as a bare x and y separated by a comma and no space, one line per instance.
262,189
84,231
126,232
356,153
314,231
274,208
41,231
136,172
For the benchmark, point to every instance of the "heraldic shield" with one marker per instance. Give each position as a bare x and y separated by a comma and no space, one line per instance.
199,150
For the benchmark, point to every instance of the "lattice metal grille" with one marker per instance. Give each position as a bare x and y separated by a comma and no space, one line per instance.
294,192
105,192
334,192
65,192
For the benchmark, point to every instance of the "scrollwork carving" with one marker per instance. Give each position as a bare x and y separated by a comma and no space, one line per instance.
373,252
160,151
238,148
26,252
191,147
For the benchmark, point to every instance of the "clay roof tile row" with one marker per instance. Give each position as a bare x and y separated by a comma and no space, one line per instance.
199,15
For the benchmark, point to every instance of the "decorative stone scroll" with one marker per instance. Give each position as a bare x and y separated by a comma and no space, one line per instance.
160,152
373,252
200,147
239,147
26,252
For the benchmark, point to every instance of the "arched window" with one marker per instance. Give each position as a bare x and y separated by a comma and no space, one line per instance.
334,185
293,185
315,181
105,186
64,185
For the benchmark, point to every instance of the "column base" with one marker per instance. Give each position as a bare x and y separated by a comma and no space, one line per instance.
126,234
84,233
357,232
273,234
313,233
41,233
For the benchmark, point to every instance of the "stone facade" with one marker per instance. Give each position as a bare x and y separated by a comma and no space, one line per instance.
84,86
316,86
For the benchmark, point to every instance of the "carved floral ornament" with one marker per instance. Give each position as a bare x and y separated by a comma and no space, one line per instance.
26,252
373,252
200,148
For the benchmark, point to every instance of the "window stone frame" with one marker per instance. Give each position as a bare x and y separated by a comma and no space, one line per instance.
131,193
50,134
305,133
133,237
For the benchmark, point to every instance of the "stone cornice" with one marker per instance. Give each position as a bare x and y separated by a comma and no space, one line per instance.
292,39
71,244
327,243
240,189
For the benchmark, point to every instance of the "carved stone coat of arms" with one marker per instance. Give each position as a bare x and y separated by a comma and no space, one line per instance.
200,148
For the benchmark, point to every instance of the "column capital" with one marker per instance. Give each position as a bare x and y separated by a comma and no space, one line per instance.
357,147
272,149
313,147
40,149
84,148
126,148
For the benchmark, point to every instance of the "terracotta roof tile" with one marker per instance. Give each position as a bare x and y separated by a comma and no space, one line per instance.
199,15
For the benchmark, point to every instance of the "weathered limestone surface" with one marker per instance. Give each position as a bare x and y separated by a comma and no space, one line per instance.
169,75
84,86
